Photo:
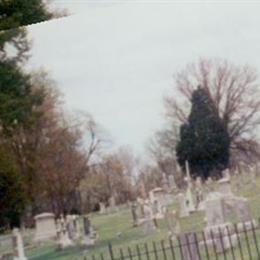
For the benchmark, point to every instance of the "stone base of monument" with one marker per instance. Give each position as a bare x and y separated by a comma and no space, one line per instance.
64,242
39,239
222,237
18,258
159,215
88,241
247,225
140,221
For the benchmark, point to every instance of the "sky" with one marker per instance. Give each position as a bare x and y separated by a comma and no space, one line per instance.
116,59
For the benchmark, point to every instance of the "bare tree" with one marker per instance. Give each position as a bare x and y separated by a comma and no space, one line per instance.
112,176
235,91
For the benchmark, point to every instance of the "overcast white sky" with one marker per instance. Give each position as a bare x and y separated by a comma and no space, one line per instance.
115,59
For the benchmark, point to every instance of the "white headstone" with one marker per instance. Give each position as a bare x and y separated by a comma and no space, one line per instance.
189,200
224,186
112,205
242,210
214,211
184,210
90,235
172,221
102,208
45,227
64,241
149,224
18,245
172,183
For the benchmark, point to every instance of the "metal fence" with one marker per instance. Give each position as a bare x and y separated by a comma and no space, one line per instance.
232,241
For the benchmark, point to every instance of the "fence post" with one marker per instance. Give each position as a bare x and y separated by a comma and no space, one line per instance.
147,251
247,241
255,239
239,242
111,251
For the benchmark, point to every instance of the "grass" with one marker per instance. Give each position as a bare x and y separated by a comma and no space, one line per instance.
117,229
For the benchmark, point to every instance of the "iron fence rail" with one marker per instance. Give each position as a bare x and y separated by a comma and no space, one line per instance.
234,241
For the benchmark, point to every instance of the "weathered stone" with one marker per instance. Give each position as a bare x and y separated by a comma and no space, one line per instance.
18,245
45,227
184,211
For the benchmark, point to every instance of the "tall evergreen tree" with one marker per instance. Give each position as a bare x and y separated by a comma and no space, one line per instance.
204,140
12,196
19,104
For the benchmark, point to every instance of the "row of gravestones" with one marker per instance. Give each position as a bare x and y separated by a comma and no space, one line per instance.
159,196
218,206
156,207
147,212
65,231
112,208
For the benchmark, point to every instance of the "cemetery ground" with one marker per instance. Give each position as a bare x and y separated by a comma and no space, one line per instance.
117,229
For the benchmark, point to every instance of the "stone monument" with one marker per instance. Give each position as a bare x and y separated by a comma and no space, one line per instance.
189,197
90,236
18,245
149,224
63,235
183,207
45,227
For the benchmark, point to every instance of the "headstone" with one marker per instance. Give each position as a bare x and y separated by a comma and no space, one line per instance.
226,174
63,240
188,177
76,225
45,227
184,210
165,184
214,211
140,211
198,183
112,205
86,223
224,186
189,197
243,210
209,181
189,200
158,201
18,245
178,168
149,224
252,176
71,227
142,190
102,208
90,236
200,205
134,214
172,183
237,181
172,221
218,230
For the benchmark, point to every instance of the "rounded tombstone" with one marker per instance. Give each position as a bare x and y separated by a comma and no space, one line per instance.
45,227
